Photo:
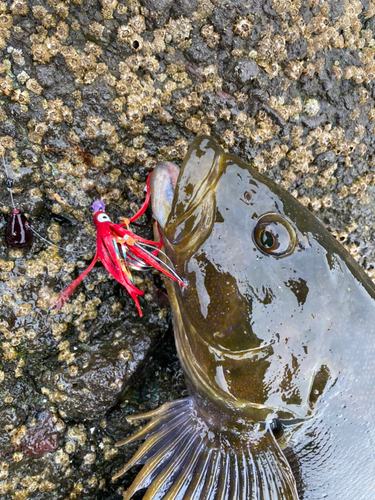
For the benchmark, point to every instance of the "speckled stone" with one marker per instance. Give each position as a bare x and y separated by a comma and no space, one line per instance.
94,93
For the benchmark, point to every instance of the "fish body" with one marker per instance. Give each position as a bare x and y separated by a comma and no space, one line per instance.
275,331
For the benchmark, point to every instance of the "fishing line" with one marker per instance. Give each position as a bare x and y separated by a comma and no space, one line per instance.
8,182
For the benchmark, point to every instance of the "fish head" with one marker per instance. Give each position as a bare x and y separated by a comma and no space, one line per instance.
255,324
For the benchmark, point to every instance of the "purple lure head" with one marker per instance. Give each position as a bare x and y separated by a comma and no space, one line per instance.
98,206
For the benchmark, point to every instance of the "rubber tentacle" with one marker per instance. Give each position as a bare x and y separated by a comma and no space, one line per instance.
145,203
64,295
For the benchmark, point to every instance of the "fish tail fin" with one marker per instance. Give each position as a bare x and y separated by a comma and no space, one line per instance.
185,459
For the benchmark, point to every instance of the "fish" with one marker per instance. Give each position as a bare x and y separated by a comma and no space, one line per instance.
275,331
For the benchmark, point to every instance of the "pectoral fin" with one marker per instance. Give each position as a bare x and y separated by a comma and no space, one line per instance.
185,459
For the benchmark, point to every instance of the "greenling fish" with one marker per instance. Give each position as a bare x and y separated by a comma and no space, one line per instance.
275,331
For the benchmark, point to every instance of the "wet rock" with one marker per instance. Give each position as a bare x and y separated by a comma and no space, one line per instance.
246,70
297,50
91,384
42,438
184,8
46,75
158,9
199,53
325,160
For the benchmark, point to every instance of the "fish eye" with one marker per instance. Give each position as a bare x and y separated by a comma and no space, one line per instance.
103,218
274,235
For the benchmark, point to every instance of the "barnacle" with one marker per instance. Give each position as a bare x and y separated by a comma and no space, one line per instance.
21,97
34,86
361,149
227,138
135,41
39,12
71,58
53,113
48,21
193,124
87,61
40,53
62,31
337,71
129,156
116,105
178,29
94,49
207,30
53,45
311,106
137,23
124,32
19,8
6,21
294,69
183,104
90,77
96,29
7,142
62,10
3,115
240,119
243,27
212,38
150,64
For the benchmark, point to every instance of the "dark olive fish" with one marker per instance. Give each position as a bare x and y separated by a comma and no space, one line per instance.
275,331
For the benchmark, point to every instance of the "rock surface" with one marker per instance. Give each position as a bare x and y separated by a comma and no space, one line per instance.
92,95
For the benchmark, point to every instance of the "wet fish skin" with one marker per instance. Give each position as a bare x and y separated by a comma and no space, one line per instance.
267,334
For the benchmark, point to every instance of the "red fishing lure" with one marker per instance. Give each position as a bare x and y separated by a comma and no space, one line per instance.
120,250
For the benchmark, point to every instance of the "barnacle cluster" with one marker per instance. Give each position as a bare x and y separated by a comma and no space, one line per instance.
211,37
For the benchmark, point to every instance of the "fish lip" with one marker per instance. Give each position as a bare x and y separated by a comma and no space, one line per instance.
194,197
163,183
